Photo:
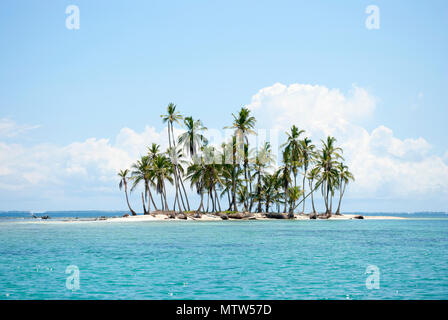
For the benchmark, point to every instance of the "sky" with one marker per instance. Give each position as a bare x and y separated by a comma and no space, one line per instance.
78,104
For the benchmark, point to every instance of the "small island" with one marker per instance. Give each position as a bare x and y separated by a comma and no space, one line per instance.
236,181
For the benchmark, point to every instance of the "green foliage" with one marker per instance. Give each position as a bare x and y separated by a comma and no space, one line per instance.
242,175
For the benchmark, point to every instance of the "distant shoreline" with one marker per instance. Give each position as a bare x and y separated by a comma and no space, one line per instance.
206,217
116,216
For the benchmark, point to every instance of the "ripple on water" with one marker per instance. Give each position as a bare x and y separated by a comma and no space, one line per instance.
244,260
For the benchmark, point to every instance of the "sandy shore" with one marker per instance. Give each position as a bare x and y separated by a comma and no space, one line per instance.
205,217
256,216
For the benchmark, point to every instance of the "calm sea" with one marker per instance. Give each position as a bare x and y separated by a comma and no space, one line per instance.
224,260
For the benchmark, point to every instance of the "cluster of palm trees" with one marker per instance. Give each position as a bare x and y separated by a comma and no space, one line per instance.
235,177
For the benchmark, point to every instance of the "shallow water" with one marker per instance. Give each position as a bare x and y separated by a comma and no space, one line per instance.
225,259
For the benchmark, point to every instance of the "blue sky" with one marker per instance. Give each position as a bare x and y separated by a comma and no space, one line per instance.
129,59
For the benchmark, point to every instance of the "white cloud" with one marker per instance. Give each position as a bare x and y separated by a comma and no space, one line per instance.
136,143
21,166
315,108
93,160
383,141
98,154
9,128
397,170
383,165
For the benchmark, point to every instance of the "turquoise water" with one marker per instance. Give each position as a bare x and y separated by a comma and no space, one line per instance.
225,260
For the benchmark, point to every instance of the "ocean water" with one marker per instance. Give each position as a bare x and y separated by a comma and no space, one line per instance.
225,259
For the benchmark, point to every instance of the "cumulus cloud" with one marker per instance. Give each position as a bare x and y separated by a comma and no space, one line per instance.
93,160
383,141
383,165
398,168
315,108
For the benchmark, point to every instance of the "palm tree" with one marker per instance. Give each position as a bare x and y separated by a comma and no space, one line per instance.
327,162
123,182
212,176
312,176
243,124
226,172
270,187
344,178
176,158
307,151
263,160
294,194
171,117
285,176
153,151
249,159
195,173
162,170
192,140
212,173
142,173
235,171
293,147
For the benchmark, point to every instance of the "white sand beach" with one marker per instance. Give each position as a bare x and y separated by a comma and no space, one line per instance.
255,216
205,218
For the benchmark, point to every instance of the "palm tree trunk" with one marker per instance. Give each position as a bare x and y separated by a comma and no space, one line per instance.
208,200
295,178
201,205
217,200
161,201
167,208
182,200
331,202
152,199
176,198
312,198
147,192
303,190
267,204
341,194
177,191
166,202
178,179
324,195
213,200
245,178
186,197
338,212
149,206
259,191
144,208
163,187
234,173
249,196
169,135
127,200
175,172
